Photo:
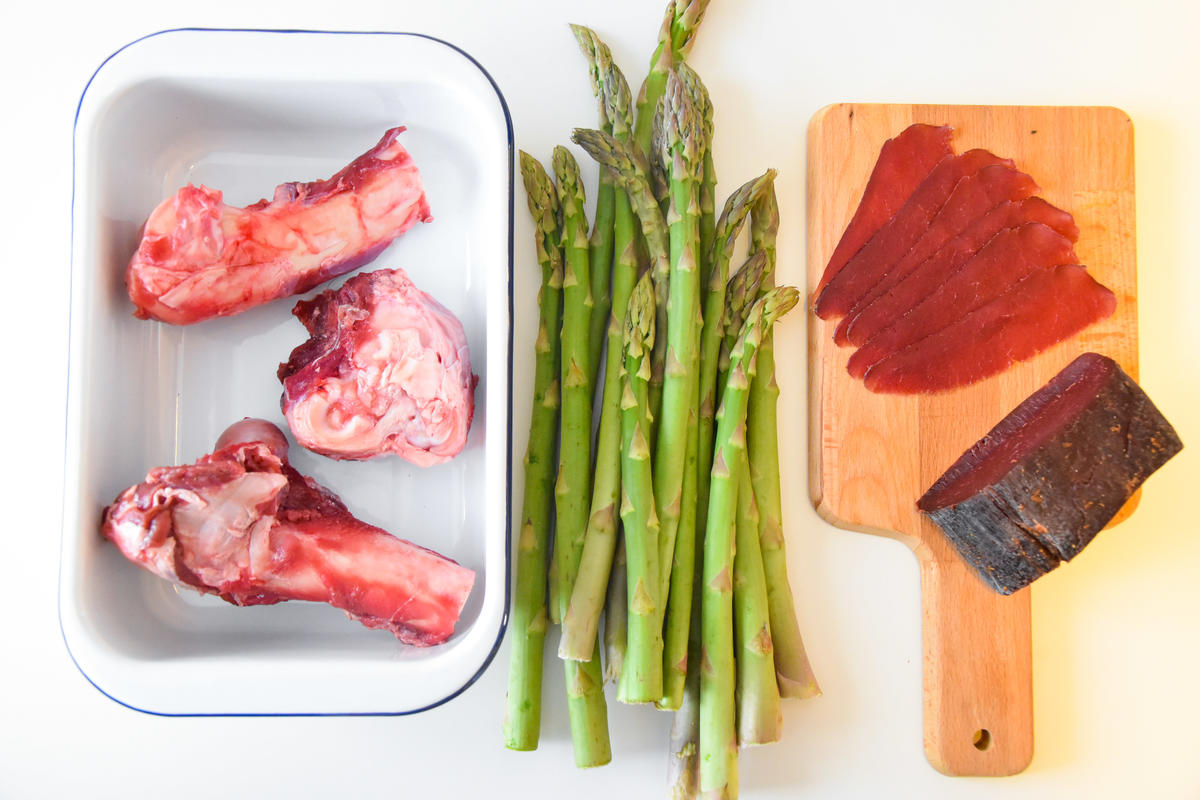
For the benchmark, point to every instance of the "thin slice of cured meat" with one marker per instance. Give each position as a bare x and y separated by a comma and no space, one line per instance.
903,163
972,197
1007,259
924,278
386,371
1039,487
1040,311
200,258
893,241
241,523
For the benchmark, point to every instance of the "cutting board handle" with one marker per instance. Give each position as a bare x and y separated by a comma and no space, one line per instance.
978,671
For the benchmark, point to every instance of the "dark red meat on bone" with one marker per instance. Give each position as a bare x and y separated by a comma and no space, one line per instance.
925,277
1004,261
200,258
972,198
241,523
893,241
903,163
1045,308
386,371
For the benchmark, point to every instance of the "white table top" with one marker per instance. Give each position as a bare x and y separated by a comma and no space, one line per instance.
1116,633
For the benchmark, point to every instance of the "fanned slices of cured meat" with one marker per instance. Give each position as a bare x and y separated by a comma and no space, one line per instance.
893,241
386,371
903,163
1007,259
200,258
1045,308
926,276
243,524
972,198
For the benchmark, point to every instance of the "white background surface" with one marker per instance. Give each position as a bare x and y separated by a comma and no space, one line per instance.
1116,633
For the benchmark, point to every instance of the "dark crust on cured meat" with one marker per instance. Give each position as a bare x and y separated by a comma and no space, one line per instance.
1076,450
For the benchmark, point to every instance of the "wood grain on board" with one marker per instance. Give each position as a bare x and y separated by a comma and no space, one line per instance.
871,456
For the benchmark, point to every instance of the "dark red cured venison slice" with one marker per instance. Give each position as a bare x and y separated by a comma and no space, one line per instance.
898,236
1040,311
933,271
1036,490
1005,260
973,196
903,163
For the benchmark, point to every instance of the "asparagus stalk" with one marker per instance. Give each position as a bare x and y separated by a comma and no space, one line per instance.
679,383
574,473
675,38
600,244
681,578
584,681
587,599
742,290
758,716
792,668
616,615
522,720
708,191
718,736
631,171
641,678
683,766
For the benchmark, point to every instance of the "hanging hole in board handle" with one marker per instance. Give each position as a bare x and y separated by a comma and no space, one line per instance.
982,739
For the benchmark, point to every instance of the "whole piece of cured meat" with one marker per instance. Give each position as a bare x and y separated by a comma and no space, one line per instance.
1036,490
200,258
386,370
243,524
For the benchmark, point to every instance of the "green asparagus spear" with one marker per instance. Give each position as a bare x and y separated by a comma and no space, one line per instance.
600,244
641,678
522,721
792,667
574,474
616,615
708,190
587,600
674,40
683,311
585,683
631,171
718,735
759,719
740,292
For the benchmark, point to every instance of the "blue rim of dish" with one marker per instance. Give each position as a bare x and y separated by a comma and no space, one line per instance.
509,413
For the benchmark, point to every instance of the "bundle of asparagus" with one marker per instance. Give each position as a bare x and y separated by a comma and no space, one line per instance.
691,584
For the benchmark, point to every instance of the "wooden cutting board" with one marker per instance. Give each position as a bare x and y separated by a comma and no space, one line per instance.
871,456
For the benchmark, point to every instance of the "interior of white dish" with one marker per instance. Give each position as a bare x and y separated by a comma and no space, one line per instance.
145,394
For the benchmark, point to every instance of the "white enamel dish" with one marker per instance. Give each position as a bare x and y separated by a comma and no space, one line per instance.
242,111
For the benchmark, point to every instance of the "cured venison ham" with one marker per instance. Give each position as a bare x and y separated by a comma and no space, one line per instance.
926,276
1004,261
893,241
241,523
972,198
1036,490
903,163
386,371
200,258
1045,308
